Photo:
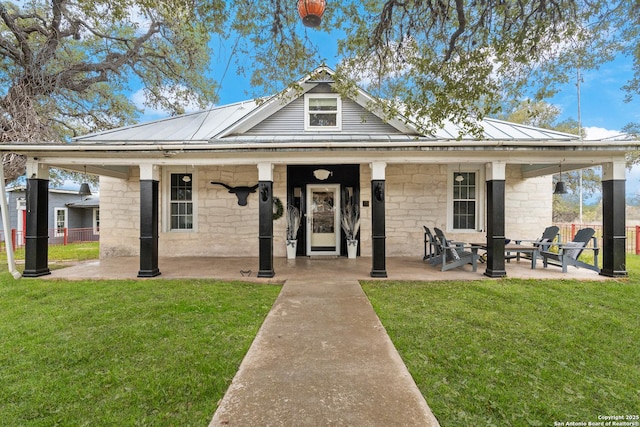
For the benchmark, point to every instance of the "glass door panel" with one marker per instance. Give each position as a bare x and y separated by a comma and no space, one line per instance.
323,221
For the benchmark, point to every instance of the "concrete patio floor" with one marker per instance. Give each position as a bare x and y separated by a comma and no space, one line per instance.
303,268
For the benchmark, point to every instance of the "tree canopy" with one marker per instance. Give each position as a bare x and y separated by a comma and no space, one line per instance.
66,66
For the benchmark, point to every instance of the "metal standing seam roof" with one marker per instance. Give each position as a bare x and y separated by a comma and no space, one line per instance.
207,126
494,129
200,127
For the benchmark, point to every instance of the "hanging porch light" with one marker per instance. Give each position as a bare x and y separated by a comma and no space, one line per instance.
560,185
311,11
459,177
84,190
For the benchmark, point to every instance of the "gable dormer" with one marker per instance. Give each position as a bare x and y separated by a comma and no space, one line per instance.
320,110
315,108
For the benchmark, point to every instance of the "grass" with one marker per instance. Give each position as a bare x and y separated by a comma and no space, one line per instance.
518,352
59,255
163,352
138,353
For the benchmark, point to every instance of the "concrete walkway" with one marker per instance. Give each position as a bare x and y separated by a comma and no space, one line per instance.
322,358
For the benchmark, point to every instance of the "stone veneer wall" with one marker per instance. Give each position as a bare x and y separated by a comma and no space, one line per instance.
224,228
415,196
120,216
529,205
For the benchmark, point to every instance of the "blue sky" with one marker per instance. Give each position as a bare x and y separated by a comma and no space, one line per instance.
603,110
602,103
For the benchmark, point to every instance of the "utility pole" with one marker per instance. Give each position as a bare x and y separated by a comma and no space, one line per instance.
580,139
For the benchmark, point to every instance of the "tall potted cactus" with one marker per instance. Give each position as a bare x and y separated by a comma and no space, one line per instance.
293,224
350,220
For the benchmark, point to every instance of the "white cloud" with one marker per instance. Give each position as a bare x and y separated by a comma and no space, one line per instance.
598,133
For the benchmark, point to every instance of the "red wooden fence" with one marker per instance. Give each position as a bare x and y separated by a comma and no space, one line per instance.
56,237
567,231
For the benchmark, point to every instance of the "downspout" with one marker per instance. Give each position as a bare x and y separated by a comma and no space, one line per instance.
11,262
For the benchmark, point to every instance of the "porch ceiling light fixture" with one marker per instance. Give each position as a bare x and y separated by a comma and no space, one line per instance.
322,174
84,190
560,185
311,12
459,177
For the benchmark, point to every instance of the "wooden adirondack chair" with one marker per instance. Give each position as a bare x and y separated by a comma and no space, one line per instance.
568,253
544,242
432,250
455,255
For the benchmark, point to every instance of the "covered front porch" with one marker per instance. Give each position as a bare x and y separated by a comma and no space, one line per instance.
394,201
306,268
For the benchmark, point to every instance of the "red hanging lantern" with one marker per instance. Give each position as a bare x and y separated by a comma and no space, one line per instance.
311,11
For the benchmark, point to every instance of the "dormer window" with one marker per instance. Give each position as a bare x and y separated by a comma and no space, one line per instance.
323,112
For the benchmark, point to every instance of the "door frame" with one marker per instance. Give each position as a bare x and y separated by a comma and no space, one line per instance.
310,189
299,176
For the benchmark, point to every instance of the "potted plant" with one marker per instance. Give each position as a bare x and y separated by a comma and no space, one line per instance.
293,224
350,220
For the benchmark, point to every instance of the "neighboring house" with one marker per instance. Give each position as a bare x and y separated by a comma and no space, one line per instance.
161,196
66,210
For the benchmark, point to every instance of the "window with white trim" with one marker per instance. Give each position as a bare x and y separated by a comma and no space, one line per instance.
465,198
61,221
323,112
181,202
464,201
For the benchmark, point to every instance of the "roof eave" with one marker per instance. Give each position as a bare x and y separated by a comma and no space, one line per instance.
445,144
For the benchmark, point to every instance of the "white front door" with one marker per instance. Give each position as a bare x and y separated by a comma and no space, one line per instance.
323,219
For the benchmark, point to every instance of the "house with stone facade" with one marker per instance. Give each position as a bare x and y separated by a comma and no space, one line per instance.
204,184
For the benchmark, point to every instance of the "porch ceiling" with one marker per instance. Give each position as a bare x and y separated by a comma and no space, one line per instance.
532,171
113,171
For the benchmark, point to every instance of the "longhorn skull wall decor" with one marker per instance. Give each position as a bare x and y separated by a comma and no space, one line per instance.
241,192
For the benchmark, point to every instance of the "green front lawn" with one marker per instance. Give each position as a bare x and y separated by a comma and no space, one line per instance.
122,353
163,352
518,352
